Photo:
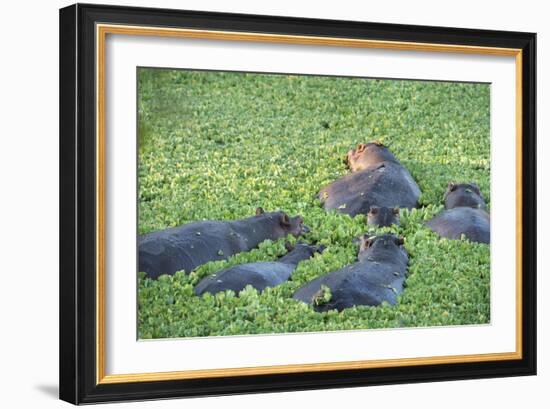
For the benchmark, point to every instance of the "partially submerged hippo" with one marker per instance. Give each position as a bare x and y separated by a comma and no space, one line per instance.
191,245
382,216
465,215
377,179
259,275
377,276
474,224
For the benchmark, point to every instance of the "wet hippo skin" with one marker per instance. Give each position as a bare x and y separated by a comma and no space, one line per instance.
474,224
258,275
188,246
465,215
377,276
377,179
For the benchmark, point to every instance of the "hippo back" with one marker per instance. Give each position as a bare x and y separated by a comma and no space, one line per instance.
258,275
387,184
362,283
474,224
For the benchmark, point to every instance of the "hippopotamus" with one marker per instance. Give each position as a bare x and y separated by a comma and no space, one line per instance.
377,179
382,216
258,275
474,224
463,195
377,276
465,215
188,246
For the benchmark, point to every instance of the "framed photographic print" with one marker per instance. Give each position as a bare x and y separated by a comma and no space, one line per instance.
258,203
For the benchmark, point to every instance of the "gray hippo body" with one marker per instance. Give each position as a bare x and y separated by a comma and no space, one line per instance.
377,276
474,224
464,215
191,245
259,275
377,179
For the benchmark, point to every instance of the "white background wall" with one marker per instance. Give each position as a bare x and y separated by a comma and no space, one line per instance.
29,201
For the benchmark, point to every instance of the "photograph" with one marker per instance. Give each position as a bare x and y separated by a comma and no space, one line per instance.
276,203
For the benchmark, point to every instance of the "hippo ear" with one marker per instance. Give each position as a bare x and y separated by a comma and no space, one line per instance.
360,147
451,187
259,211
360,240
374,209
366,240
378,143
400,241
289,247
285,220
395,210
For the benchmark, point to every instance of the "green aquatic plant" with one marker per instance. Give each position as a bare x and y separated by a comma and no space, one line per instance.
218,145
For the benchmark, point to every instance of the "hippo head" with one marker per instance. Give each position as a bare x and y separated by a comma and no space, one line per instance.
365,155
383,216
285,224
381,247
305,248
300,251
463,195
293,225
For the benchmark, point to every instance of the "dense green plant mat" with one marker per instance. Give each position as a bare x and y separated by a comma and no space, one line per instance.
218,145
